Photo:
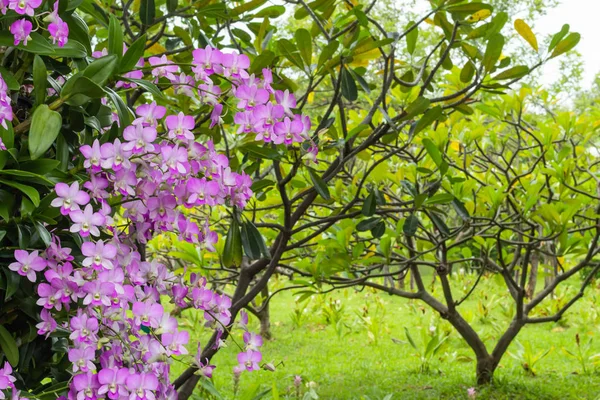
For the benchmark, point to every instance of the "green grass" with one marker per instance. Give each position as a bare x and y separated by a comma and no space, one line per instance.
358,361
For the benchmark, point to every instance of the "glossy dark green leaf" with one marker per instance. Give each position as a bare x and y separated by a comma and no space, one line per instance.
461,210
125,115
410,225
232,251
43,233
9,346
79,31
40,80
29,191
253,242
115,37
9,79
439,224
367,224
45,126
319,184
133,54
101,69
148,86
349,90
172,5
7,202
147,11
378,230
369,205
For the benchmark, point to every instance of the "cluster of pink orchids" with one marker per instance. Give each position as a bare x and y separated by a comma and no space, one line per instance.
22,28
122,339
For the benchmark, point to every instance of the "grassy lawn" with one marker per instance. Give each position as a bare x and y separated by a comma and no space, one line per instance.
353,345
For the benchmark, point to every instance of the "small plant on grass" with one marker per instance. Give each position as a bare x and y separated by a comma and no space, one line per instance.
432,343
584,355
528,357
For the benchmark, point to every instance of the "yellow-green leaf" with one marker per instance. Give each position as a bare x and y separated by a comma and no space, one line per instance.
526,33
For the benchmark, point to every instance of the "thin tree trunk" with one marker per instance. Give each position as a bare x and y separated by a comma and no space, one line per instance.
264,315
533,275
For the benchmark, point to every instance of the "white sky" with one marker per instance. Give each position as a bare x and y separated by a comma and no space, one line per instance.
582,16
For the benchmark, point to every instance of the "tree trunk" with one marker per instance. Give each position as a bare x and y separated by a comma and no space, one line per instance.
533,275
485,370
264,316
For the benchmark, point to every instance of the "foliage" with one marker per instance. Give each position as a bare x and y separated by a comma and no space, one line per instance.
372,155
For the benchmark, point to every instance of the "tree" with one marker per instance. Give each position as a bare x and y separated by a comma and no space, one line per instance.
365,98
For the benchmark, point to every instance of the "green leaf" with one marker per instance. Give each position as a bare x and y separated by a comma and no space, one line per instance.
430,116
440,198
232,252
133,54
147,11
315,5
26,176
378,230
493,51
289,51
9,346
349,90
79,31
433,151
40,80
253,242
43,232
72,49
439,223
101,69
210,388
320,186
411,38
515,72
45,126
327,52
410,339
263,60
245,7
410,225
30,192
369,205
9,79
115,37
558,36
36,45
467,72
148,86
172,5
415,108
566,44
125,115
270,12
7,201
79,90
304,43
461,210
367,224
